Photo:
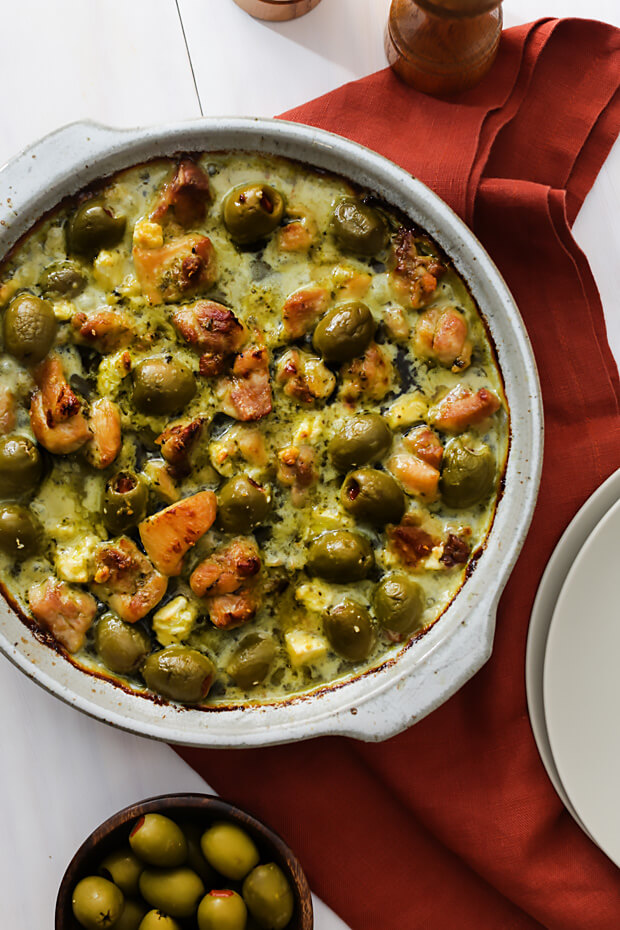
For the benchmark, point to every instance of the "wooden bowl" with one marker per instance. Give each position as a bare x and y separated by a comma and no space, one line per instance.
199,808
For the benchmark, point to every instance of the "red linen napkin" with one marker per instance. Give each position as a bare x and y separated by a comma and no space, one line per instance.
454,823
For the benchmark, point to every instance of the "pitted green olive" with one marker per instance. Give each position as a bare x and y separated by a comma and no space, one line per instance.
124,502
363,439
29,328
229,849
222,910
21,467
373,496
243,504
340,556
94,226
398,603
96,902
123,868
174,891
157,840
121,646
131,915
358,227
252,211
349,629
155,920
179,674
252,660
20,533
268,896
344,332
162,385
468,473
63,279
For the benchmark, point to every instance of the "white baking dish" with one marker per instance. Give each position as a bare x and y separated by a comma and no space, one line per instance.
380,703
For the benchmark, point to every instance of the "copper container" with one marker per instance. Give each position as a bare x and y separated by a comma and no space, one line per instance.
277,10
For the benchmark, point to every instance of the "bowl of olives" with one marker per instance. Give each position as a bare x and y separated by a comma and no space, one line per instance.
184,861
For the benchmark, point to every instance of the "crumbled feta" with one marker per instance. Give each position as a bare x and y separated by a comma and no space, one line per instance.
407,410
109,268
304,648
315,595
148,235
175,621
75,563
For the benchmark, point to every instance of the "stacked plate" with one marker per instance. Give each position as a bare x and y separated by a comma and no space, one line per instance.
573,667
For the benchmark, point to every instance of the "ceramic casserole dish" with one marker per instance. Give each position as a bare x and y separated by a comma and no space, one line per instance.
383,701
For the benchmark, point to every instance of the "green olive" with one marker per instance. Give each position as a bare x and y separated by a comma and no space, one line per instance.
243,504
341,556
468,473
124,502
349,629
131,916
29,328
252,660
344,332
358,227
155,920
268,896
179,674
162,385
229,850
252,211
21,467
20,533
222,910
174,891
123,868
63,279
92,227
121,646
363,439
372,495
195,859
398,602
158,840
97,902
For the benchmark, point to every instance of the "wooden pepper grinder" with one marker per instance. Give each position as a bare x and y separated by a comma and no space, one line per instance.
443,46
277,10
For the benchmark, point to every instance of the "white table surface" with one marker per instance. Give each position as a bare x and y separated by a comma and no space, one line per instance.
126,64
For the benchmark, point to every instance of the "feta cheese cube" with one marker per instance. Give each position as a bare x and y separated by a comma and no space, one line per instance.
304,648
174,621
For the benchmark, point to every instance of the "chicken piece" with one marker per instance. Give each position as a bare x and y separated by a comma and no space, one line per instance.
104,330
304,377
297,236
227,611
414,277
180,269
417,477
426,444
126,581
302,310
65,611
212,329
441,336
170,533
177,442
297,471
55,411
186,196
246,393
410,542
239,442
226,570
227,581
462,408
370,376
7,411
396,322
349,283
104,422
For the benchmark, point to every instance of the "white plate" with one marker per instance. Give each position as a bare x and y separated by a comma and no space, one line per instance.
564,555
581,685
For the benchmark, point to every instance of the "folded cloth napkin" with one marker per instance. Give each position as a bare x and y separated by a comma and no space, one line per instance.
454,823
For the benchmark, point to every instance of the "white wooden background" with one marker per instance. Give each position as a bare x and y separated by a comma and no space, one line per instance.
139,62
